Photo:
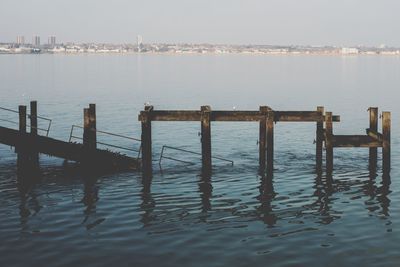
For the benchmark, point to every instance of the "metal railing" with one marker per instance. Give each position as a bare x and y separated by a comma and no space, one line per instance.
46,130
186,151
72,136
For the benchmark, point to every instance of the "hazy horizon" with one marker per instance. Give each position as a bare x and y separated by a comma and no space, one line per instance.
279,22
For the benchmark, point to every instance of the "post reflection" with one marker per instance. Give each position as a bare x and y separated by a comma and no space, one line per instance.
90,197
148,204
267,194
378,194
205,189
26,182
323,192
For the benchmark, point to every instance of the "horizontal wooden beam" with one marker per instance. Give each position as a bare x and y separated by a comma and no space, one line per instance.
236,115
219,115
302,116
355,141
374,134
175,115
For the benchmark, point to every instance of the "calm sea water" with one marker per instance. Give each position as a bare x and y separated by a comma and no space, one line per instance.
234,219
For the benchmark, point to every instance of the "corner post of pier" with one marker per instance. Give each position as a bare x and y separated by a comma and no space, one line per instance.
92,126
270,141
146,141
86,128
34,131
328,142
319,139
373,125
386,124
21,147
206,139
263,137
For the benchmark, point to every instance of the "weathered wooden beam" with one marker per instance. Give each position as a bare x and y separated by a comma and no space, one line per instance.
302,116
236,116
270,142
86,127
354,141
329,142
21,147
220,115
66,150
206,139
92,126
374,134
386,124
319,140
146,141
263,138
34,155
172,115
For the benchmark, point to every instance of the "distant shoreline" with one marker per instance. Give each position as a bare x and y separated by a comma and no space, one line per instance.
211,53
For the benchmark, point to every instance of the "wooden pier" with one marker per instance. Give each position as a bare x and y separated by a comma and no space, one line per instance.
267,117
28,145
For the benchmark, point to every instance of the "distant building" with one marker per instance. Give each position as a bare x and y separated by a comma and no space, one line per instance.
20,40
139,43
349,51
36,41
52,41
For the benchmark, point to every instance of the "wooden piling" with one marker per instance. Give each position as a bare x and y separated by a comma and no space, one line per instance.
92,126
270,141
86,128
373,126
34,155
328,142
263,137
206,138
386,122
146,141
319,139
22,157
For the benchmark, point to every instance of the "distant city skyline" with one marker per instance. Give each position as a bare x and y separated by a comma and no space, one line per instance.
275,22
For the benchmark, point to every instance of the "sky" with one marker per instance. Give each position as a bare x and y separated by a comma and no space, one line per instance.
275,22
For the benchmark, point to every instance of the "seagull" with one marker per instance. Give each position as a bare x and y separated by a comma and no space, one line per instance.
234,108
147,104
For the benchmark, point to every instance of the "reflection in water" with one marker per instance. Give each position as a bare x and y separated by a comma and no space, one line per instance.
323,192
90,198
267,194
205,189
26,181
148,204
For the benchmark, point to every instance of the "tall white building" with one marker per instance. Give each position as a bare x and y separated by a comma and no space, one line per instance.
52,41
139,43
36,40
20,40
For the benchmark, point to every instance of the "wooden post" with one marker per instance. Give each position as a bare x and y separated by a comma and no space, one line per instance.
34,131
328,142
319,139
86,128
21,148
386,121
270,142
263,137
146,141
206,138
92,126
373,125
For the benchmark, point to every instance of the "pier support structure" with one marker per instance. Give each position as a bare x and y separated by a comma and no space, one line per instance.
147,141
206,139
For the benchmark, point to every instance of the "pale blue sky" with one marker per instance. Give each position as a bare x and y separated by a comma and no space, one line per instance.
315,22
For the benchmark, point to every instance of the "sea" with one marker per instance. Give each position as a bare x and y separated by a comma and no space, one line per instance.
236,217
